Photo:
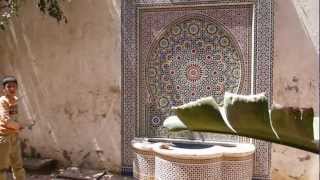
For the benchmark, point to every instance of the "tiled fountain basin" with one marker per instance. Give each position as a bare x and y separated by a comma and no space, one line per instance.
183,160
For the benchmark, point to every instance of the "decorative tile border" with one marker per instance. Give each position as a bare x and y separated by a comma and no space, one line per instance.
128,82
263,47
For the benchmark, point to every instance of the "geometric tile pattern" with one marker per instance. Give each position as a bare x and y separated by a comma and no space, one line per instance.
143,166
151,71
165,169
197,52
171,170
238,170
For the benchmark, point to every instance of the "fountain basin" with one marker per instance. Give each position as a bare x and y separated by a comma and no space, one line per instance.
193,161
143,159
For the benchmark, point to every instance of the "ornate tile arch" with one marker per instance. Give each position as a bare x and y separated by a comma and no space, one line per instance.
175,51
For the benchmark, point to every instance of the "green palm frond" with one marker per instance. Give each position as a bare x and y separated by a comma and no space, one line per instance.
248,116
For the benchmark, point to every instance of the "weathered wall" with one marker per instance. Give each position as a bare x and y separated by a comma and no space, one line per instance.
296,79
70,76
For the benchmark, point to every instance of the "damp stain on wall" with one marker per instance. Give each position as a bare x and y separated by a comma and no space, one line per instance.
66,155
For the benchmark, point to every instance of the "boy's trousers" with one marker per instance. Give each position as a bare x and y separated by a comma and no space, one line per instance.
10,156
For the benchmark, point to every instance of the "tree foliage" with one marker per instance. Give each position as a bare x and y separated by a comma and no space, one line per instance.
10,8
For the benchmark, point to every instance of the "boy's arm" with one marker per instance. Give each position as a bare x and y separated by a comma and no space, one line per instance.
5,120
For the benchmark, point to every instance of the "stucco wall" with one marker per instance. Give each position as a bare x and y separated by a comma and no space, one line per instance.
70,76
295,79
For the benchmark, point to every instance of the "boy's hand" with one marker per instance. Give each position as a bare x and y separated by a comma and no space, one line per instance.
27,126
13,125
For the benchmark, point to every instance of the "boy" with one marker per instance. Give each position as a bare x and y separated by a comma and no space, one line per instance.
10,153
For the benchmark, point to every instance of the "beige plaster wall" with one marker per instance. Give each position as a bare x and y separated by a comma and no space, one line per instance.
308,12
70,76
295,79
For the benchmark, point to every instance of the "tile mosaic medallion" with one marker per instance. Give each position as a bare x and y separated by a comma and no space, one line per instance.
176,51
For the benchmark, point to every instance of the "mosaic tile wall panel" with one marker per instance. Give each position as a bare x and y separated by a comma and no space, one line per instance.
170,48
187,53
128,83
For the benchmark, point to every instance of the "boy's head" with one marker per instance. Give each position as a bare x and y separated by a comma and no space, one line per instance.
10,85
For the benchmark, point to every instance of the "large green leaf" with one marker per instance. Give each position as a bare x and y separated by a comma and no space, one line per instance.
202,115
173,123
294,126
248,116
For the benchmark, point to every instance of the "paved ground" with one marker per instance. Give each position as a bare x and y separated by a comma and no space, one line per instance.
52,177
46,169
48,177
